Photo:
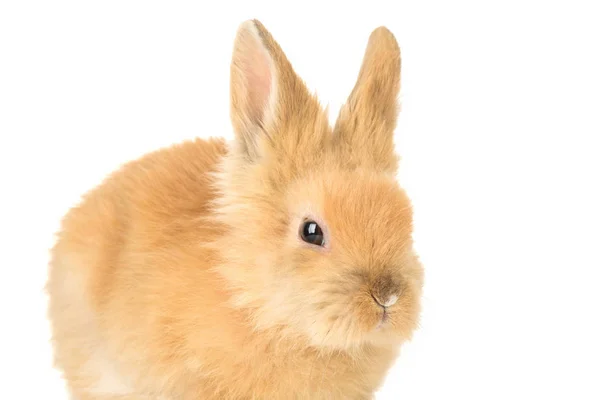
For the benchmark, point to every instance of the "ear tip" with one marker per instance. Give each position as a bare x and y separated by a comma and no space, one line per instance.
252,28
248,25
383,35
253,25
257,24
382,30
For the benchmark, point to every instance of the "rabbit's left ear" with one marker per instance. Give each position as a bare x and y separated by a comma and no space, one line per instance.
364,131
270,105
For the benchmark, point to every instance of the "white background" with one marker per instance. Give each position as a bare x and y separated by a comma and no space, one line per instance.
499,138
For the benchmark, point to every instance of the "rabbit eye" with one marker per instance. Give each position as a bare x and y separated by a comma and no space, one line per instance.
311,233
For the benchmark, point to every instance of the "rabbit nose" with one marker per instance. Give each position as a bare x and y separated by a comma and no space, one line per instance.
390,301
385,290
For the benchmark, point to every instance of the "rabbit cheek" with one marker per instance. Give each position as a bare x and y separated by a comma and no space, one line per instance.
342,319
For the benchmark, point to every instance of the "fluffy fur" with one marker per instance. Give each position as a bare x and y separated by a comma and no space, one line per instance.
182,276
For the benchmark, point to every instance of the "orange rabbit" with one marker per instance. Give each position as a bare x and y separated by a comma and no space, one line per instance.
278,267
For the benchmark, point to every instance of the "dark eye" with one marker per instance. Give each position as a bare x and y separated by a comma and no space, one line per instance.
311,233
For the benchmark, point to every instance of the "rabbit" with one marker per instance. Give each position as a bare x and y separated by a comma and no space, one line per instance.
278,265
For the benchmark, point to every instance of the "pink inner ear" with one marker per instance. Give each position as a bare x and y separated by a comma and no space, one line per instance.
257,69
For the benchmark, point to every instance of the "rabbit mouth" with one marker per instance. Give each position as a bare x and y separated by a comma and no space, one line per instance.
385,316
385,313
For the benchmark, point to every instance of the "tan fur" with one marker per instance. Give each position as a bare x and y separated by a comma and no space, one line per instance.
183,277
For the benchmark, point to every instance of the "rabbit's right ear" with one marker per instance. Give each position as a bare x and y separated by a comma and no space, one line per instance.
253,87
271,108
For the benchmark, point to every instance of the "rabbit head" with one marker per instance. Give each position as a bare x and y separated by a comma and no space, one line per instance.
317,242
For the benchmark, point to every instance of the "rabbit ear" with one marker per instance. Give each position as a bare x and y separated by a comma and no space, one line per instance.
267,97
365,126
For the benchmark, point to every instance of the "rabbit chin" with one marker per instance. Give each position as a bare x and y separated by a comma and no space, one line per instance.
351,331
343,327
